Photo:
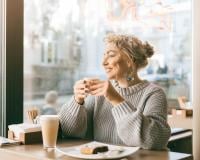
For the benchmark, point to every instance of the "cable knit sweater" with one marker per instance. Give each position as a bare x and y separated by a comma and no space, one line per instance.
140,120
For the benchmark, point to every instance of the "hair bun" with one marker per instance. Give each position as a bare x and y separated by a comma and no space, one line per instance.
149,50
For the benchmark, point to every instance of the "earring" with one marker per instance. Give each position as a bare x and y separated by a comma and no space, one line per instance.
129,76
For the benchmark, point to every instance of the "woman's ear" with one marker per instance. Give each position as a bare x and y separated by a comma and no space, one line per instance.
130,63
128,59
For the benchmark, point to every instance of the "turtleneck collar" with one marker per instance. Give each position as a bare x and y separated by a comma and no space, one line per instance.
131,89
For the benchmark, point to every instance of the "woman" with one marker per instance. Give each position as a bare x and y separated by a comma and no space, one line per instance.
128,111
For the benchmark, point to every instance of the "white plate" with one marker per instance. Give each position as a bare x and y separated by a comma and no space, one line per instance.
113,153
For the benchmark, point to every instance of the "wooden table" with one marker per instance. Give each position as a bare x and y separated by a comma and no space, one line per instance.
36,152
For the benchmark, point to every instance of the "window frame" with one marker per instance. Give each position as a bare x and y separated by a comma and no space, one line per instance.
13,106
2,65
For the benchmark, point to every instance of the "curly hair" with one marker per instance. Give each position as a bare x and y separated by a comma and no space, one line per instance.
138,51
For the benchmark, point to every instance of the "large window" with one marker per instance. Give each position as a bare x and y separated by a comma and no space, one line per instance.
63,42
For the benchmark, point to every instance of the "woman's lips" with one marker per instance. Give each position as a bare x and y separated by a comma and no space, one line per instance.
108,70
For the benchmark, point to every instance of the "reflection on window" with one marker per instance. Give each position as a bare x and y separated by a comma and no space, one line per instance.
63,42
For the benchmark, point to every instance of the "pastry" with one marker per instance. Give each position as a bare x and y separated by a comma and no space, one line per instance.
93,149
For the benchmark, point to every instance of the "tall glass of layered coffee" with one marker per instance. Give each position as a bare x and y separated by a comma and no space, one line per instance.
49,125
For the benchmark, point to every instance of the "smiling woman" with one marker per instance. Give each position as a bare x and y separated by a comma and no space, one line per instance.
124,109
127,54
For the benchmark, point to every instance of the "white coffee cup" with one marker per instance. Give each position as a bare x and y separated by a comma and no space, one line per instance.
49,125
89,81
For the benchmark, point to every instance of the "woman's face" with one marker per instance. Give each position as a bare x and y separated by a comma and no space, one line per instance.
115,63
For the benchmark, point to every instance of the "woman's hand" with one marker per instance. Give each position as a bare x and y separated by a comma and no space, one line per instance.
105,88
80,91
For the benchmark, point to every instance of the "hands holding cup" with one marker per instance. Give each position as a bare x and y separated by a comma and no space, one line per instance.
96,87
82,89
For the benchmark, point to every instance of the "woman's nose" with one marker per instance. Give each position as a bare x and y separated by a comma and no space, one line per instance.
104,62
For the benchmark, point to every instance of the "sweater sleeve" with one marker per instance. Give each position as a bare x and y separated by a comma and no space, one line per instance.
75,119
146,127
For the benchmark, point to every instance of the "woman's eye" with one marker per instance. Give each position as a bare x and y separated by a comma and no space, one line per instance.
112,55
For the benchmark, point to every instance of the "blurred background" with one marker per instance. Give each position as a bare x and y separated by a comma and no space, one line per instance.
63,42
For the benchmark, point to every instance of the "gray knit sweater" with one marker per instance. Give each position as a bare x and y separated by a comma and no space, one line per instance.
141,120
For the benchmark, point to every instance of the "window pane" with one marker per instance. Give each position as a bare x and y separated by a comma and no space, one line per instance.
63,42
